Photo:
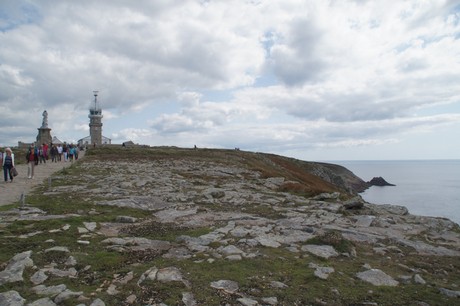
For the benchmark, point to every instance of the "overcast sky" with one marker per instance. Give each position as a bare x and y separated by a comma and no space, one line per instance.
315,80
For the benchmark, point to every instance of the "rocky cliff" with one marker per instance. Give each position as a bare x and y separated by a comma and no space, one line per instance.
171,226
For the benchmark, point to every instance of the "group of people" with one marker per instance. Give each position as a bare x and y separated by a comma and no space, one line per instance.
38,154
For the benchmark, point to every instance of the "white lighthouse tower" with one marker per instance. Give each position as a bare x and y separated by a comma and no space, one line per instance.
95,122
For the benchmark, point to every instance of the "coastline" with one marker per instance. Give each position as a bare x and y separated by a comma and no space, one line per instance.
425,187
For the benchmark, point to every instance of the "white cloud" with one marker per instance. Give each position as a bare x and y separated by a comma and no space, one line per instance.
338,73
131,134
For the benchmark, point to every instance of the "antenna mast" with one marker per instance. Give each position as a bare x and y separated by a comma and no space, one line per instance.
95,99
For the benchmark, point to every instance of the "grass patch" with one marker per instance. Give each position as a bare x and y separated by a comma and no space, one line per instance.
335,239
163,231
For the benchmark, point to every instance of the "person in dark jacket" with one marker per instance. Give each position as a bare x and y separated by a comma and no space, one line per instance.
8,164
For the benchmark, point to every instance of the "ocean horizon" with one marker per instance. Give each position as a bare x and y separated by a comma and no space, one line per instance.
425,187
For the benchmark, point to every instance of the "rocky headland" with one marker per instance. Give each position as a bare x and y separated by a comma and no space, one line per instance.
171,226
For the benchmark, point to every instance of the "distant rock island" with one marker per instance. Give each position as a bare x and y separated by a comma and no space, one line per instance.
379,181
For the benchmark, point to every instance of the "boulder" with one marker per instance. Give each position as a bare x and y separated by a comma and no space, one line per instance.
354,203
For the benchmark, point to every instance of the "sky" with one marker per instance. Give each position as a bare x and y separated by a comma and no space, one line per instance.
313,79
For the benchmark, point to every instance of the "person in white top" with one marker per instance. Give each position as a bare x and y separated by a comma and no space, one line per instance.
59,149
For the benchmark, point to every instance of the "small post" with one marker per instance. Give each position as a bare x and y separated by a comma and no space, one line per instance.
22,199
49,182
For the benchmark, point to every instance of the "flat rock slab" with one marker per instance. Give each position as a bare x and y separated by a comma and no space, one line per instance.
449,293
225,285
15,268
135,243
268,241
11,298
43,302
171,274
377,278
323,251
90,226
364,221
323,272
49,291
58,249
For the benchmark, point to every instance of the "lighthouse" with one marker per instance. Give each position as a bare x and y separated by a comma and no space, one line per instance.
95,122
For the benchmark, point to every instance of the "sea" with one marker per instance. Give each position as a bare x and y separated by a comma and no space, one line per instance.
425,187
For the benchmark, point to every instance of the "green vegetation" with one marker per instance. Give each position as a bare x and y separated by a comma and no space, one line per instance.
335,239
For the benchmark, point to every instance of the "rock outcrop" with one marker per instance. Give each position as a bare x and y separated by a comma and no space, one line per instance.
379,181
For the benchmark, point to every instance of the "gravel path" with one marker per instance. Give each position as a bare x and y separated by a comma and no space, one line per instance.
11,192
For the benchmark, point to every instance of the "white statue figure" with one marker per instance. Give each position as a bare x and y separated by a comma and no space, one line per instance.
45,119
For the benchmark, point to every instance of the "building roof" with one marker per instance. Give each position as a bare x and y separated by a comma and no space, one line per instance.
56,140
88,138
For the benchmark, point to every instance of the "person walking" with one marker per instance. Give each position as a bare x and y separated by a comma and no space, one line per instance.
45,152
42,155
65,150
53,153
30,156
59,149
72,153
36,154
8,164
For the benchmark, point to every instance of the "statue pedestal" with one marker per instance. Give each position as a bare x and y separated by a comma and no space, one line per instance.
44,136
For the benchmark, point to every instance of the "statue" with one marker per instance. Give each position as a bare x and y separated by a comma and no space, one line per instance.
45,119
44,135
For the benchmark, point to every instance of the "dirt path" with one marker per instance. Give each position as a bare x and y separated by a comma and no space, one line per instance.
11,192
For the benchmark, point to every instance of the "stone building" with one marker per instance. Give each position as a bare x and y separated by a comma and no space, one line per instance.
86,141
56,141
95,137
